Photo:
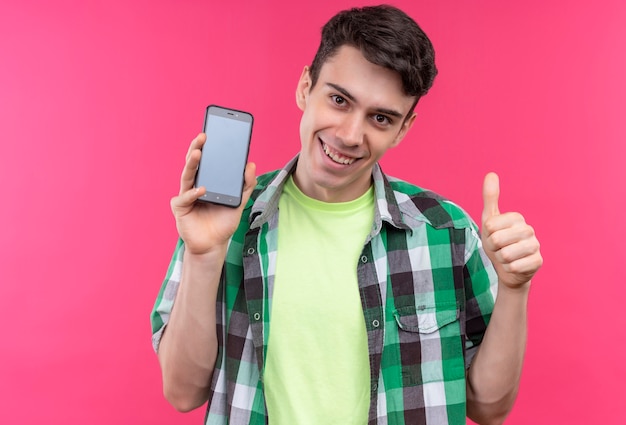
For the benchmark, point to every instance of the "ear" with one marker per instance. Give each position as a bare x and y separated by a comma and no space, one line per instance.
406,126
303,88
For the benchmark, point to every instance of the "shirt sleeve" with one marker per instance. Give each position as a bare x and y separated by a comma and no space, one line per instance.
481,286
165,300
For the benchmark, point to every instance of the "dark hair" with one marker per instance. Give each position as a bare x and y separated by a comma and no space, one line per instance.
387,37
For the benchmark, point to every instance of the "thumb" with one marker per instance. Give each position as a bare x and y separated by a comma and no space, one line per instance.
491,193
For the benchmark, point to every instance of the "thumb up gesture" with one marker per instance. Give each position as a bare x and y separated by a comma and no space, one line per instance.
508,241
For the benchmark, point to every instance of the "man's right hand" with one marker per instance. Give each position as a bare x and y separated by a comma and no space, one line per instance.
188,348
204,226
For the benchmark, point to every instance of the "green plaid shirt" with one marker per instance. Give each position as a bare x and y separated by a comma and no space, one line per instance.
427,291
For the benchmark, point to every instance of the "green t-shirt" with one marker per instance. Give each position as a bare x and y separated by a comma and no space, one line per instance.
317,366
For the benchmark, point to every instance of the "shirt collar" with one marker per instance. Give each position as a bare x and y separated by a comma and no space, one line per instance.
386,210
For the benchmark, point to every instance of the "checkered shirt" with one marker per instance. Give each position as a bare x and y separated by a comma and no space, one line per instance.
427,290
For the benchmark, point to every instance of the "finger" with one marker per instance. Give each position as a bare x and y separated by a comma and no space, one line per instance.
507,234
524,267
186,200
188,176
503,221
491,194
249,181
250,176
517,250
196,144
192,160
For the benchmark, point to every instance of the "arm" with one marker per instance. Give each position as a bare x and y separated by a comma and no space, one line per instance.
494,375
188,347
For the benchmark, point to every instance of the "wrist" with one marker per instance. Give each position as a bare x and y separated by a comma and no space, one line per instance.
520,289
208,256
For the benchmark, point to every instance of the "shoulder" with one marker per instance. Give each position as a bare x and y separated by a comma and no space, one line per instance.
419,204
265,179
262,183
267,184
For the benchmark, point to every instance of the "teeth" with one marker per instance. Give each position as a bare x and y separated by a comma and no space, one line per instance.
335,157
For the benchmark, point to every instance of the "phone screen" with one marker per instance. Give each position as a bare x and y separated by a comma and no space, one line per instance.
224,155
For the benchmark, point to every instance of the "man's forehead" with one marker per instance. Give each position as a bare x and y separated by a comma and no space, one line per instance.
351,61
363,80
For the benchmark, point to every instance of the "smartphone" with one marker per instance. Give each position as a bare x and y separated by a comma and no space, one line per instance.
224,155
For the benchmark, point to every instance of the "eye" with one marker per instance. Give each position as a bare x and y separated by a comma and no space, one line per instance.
338,100
382,119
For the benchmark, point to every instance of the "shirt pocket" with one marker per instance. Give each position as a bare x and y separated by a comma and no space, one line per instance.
430,344
426,320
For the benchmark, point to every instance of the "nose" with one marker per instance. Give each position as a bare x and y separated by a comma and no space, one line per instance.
350,130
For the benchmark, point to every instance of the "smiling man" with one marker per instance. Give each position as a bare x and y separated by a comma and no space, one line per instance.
354,114
336,294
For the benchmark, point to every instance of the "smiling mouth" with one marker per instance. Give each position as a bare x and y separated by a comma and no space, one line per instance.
336,157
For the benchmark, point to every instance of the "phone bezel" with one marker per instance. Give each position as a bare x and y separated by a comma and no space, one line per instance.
237,115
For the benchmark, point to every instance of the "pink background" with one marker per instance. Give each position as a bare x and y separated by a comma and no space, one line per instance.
99,100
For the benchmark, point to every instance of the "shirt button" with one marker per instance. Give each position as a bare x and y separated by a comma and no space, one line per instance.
375,323
250,251
364,259
374,386
257,316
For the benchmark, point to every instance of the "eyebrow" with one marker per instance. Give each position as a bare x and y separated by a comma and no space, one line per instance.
350,97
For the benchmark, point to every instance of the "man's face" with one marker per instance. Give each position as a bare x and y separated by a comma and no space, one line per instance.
353,114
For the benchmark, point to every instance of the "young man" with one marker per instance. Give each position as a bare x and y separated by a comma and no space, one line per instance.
336,294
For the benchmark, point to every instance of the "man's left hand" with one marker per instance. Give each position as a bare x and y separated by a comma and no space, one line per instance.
509,242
